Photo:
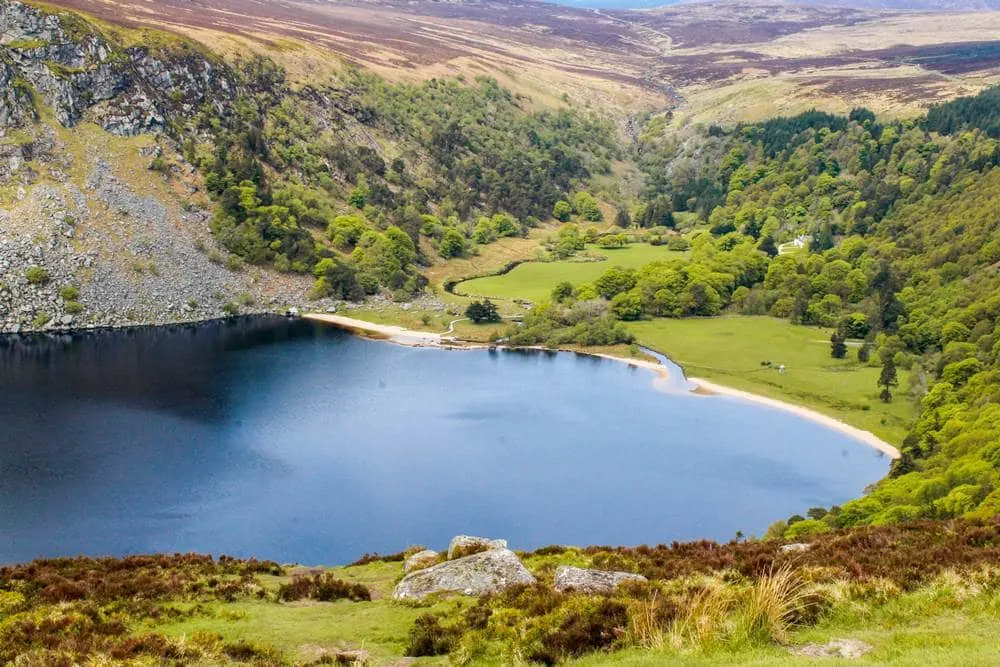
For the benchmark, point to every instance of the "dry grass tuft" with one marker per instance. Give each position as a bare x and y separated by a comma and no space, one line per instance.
771,607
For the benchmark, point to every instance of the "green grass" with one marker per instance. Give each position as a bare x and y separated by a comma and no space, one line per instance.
300,630
730,350
534,280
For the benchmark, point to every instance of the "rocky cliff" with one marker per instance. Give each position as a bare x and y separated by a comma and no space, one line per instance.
102,222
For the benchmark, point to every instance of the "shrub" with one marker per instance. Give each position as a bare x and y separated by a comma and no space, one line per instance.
36,275
387,558
428,637
73,307
323,587
231,308
69,292
244,651
678,243
40,320
586,625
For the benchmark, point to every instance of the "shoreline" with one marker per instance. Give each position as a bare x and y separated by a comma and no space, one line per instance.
412,338
708,388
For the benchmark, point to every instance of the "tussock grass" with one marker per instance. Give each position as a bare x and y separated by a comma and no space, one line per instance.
771,607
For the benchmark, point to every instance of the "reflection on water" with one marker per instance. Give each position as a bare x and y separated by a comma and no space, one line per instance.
293,441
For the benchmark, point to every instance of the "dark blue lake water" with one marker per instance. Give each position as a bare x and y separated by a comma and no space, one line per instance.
297,442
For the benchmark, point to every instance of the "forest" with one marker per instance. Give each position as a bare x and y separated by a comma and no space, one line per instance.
899,250
303,181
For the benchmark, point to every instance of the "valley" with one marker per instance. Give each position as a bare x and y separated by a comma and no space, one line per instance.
796,203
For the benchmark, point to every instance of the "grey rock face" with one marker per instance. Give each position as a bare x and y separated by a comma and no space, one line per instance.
16,109
479,574
569,578
421,560
124,89
467,543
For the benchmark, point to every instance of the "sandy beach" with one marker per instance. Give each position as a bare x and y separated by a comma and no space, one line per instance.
699,387
709,388
393,333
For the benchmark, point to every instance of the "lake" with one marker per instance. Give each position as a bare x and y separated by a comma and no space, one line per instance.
297,442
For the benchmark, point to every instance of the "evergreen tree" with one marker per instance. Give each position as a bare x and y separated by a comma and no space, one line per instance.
838,348
623,219
887,379
768,245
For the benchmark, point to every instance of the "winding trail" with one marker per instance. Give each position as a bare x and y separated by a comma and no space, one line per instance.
697,386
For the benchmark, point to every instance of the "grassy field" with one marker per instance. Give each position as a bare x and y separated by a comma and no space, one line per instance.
303,629
534,281
730,350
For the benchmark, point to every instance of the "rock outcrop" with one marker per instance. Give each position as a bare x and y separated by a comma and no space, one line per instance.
128,90
479,574
569,578
837,648
420,560
463,545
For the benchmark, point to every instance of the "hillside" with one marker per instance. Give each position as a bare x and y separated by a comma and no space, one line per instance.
710,60
125,147
918,594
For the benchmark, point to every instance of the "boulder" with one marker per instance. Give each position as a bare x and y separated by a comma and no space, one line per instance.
837,648
420,560
463,545
569,578
355,657
486,572
795,547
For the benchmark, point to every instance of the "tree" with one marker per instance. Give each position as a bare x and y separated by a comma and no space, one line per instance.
865,352
562,291
615,281
562,211
887,379
657,213
586,206
838,348
482,311
453,244
767,245
623,219
627,306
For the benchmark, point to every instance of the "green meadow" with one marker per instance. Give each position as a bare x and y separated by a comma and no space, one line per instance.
533,281
732,352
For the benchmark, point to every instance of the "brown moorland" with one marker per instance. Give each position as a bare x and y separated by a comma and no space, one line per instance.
710,61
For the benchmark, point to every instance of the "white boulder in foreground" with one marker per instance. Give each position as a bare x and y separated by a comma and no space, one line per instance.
420,560
569,578
463,545
486,572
